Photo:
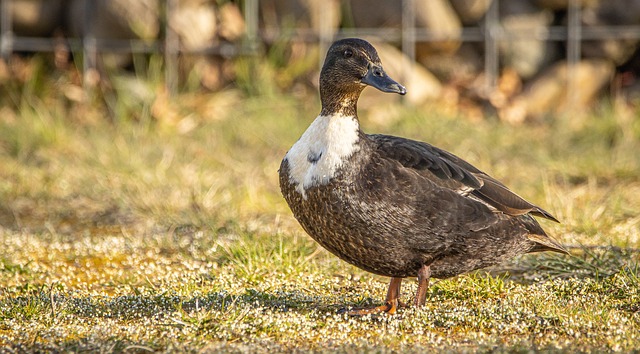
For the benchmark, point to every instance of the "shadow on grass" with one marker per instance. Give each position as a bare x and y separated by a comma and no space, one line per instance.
583,262
139,306
83,344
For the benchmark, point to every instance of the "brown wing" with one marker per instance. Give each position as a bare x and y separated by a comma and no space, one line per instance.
456,174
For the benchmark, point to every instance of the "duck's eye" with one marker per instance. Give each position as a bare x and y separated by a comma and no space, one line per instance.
348,53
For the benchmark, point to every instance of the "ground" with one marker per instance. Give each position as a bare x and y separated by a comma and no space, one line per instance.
156,224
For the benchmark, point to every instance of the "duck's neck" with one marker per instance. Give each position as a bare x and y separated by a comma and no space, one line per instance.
339,101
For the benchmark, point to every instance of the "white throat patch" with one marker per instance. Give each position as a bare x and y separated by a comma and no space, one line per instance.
321,150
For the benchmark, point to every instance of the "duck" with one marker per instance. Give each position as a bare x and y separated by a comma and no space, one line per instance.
393,206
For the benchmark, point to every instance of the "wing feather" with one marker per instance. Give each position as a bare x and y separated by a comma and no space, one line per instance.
455,173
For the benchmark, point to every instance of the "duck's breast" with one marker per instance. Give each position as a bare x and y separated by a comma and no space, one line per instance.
321,151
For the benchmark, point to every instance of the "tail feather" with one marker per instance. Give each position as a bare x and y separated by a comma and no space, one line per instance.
536,234
546,243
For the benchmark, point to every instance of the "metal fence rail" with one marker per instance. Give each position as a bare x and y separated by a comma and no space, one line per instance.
489,32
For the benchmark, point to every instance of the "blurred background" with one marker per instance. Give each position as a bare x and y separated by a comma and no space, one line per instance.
517,60
140,142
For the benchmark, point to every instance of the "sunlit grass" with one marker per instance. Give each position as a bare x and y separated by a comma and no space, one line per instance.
148,222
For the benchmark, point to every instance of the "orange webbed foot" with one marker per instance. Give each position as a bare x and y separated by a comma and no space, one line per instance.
391,305
389,308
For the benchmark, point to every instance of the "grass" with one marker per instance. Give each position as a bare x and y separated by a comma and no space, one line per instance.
140,222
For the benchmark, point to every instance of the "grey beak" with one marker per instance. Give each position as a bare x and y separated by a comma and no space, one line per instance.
377,78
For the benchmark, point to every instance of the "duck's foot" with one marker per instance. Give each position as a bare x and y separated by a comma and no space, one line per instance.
391,305
389,308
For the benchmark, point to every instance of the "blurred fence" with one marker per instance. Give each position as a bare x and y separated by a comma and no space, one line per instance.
489,32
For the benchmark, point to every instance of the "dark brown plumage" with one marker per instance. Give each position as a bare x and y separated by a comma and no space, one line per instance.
394,206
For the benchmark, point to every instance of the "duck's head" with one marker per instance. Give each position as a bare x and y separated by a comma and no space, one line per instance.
351,65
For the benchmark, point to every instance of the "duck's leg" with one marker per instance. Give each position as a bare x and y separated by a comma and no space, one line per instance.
393,296
391,303
423,284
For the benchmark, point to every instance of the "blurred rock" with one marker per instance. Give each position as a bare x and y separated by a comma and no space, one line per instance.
115,19
553,4
615,13
360,13
212,72
301,23
194,21
459,68
283,15
618,12
525,56
471,11
509,84
200,24
435,15
36,18
508,8
548,93
232,26
439,17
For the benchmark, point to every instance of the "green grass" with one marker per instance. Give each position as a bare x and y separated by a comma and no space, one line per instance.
156,224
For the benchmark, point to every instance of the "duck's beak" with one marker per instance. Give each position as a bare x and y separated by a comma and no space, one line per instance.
377,78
